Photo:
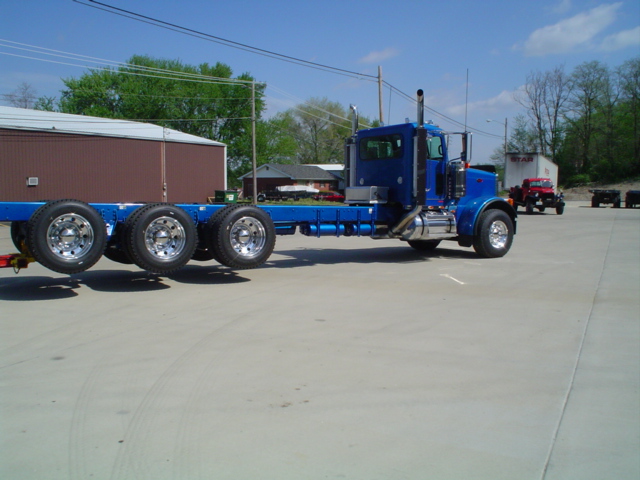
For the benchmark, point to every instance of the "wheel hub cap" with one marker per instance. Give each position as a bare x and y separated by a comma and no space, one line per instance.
498,234
248,236
165,238
70,236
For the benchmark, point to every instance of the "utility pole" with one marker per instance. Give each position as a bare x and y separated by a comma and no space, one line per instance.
380,94
254,161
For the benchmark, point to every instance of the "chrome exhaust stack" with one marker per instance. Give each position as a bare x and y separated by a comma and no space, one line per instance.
420,108
354,119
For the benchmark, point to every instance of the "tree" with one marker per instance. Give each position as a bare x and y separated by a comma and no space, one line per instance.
545,96
628,75
45,103
24,96
202,100
590,82
318,127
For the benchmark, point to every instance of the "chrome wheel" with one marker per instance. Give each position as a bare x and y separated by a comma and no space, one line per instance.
494,233
160,238
498,234
241,236
70,236
248,237
165,238
66,236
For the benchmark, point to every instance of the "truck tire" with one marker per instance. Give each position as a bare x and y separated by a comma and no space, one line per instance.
424,245
595,203
202,253
560,210
115,250
494,234
528,207
66,236
242,236
19,236
118,255
160,238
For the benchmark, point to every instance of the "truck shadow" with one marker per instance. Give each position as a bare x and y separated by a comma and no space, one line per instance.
26,289
329,256
30,288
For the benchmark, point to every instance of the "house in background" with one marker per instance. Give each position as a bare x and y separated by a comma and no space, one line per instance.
328,177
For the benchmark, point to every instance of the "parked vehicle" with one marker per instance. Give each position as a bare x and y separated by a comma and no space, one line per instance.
538,193
632,198
403,182
528,165
329,197
287,192
601,196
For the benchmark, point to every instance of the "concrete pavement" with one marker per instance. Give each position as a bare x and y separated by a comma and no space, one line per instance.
340,358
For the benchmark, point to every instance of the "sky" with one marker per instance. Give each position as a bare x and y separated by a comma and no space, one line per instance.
470,57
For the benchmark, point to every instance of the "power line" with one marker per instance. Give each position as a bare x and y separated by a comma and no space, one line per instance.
230,43
260,51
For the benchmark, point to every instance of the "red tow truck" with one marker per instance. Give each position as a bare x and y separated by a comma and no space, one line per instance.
536,193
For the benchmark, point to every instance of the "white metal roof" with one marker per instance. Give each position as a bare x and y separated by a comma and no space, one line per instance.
38,120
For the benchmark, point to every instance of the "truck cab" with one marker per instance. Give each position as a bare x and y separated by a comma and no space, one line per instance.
418,176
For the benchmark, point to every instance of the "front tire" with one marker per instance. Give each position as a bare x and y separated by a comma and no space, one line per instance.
66,236
494,234
242,236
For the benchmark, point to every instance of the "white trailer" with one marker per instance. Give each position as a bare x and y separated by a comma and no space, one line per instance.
519,166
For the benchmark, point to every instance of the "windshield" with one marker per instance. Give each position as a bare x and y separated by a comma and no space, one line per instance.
542,184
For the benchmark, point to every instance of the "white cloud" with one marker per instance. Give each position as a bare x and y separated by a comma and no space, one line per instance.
379,56
562,7
502,102
572,32
620,40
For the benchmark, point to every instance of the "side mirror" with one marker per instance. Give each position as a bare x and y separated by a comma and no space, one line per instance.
465,154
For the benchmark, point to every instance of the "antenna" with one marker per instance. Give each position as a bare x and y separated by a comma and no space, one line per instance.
466,101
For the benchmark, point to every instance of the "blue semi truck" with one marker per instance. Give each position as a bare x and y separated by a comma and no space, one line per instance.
402,182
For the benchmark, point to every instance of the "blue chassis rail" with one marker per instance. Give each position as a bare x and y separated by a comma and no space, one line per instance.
285,218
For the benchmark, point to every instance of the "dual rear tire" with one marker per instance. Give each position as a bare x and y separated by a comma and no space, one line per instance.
240,236
66,236
69,236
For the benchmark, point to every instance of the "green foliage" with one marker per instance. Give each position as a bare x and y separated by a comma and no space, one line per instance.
316,130
598,137
577,180
191,99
